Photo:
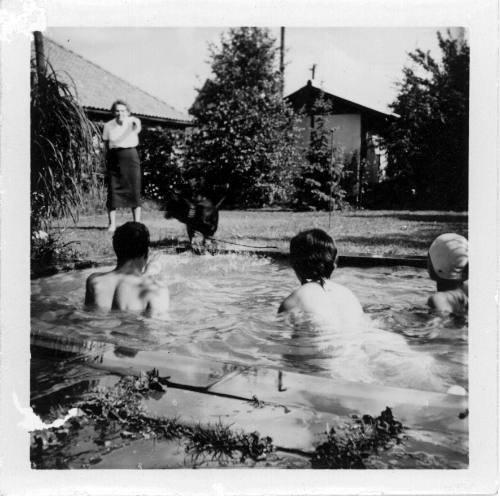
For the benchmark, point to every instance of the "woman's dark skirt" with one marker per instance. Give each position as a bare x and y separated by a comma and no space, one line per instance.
124,178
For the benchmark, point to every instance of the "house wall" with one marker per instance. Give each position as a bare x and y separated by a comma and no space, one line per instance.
356,125
347,137
347,134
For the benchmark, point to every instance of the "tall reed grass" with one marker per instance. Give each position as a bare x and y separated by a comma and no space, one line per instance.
65,150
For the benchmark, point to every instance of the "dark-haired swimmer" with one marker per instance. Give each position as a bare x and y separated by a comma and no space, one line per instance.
312,256
126,287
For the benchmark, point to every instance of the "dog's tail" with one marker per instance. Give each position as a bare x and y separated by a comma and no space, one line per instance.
225,191
219,203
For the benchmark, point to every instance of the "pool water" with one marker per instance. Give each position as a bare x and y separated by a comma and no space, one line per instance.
224,307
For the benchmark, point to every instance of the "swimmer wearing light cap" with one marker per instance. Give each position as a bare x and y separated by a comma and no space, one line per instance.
448,265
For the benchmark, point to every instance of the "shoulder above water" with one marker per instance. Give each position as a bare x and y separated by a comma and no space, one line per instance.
332,298
112,290
454,301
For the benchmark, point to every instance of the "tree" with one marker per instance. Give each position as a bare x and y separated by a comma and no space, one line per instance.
318,184
243,145
428,145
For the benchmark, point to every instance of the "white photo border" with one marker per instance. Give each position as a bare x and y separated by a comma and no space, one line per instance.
482,22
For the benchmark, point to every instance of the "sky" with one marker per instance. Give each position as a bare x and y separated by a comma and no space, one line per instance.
359,64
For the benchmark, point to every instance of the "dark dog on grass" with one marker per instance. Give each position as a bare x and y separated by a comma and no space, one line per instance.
199,215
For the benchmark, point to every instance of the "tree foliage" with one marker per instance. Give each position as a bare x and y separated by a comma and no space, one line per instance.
243,146
428,145
319,183
162,158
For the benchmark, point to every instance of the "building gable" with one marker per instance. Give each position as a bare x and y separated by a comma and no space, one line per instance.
304,98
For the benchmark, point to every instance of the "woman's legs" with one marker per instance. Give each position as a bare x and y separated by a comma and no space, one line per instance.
112,220
136,213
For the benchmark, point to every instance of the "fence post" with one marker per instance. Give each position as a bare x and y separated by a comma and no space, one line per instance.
39,55
332,163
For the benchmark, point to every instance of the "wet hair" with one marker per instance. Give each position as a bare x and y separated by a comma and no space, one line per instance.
131,240
119,102
312,255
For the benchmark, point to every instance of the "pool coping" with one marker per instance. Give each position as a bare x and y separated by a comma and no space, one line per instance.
275,386
348,260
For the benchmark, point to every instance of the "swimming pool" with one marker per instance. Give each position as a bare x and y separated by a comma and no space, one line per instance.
223,307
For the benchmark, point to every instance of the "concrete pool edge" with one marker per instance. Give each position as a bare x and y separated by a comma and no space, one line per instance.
440,412
348,260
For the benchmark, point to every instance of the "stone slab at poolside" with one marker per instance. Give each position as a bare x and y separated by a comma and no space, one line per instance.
295,410
295,428
418,409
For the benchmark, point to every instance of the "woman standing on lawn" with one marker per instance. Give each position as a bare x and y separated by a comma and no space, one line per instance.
121,137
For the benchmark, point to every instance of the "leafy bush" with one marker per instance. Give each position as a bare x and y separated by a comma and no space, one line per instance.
49,249
162,159
363,438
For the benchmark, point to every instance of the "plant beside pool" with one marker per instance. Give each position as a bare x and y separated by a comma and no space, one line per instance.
113,417
361,438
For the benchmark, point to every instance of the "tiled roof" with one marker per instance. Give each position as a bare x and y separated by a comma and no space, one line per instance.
97,88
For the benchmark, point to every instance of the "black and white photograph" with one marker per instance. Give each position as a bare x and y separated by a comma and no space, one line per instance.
246,247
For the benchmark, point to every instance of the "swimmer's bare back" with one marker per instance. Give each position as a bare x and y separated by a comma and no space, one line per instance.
126,292
331,301
136,294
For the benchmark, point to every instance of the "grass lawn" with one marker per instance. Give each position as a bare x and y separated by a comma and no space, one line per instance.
380,232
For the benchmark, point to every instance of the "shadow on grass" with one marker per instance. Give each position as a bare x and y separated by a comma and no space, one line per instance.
459,218
418,239
376,241
169,243
88,228
253,237
213,246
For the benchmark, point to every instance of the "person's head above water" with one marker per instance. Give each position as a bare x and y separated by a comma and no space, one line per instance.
448,258
131,241
312,255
